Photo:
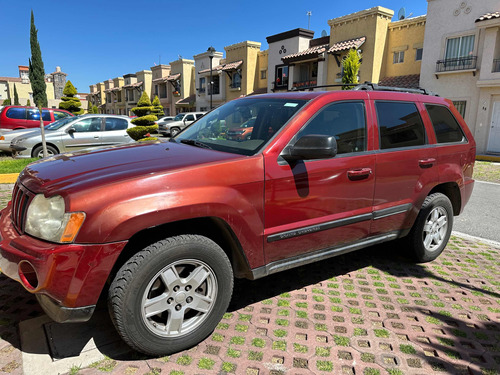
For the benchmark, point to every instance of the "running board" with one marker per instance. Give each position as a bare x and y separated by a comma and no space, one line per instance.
300,260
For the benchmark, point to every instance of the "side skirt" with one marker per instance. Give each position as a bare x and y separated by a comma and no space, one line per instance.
300,260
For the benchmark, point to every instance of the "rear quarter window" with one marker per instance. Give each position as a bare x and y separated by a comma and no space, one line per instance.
116,124
399,125
59,114
445,125
16,113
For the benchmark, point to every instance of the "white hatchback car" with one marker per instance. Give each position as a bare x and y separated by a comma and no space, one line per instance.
74,133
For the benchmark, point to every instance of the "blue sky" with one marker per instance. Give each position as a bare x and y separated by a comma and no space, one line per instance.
93,41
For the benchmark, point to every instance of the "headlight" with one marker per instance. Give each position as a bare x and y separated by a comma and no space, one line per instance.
47,219
15,141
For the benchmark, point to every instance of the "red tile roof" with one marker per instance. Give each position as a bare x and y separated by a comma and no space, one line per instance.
225,67
187,101
232,65
408,81
488,16
306,54
160,80
10,79
132,85
174,77
347,44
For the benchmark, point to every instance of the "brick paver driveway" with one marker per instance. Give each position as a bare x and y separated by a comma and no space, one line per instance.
368,312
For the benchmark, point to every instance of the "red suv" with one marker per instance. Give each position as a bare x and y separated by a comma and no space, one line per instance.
14,117
163,228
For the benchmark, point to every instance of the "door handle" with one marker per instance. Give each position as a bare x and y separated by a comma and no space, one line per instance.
96,136
359,174
426,163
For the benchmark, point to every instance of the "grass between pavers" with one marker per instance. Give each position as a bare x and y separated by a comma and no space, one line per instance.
14,165
487,171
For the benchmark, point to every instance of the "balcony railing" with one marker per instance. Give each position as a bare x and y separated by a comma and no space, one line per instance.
309,83
460,63
496,65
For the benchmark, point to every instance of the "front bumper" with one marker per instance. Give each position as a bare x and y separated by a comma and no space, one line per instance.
67,279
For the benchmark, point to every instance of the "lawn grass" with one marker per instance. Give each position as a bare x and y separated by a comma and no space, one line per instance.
487,171
14,165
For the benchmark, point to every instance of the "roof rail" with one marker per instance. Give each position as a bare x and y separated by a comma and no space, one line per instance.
369,86
376,87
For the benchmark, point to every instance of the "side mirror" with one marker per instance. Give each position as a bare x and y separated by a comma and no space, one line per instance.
71,130
310,147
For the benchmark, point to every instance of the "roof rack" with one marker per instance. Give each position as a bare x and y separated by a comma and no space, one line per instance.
370,87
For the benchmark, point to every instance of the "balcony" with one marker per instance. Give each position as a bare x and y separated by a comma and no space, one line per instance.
305,84
457,64
496,65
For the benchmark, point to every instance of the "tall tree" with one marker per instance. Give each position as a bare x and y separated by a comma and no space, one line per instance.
351,63
69,101
16,97
36,70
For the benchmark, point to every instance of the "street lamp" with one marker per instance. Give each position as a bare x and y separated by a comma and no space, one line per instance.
211,52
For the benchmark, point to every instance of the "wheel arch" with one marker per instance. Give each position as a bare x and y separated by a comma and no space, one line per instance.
211,227
452,191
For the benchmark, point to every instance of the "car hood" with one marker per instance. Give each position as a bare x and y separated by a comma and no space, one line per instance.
93,168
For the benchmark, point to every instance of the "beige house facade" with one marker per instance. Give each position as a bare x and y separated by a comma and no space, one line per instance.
461,61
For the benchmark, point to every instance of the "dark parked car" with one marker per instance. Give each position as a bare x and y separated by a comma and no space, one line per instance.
163,229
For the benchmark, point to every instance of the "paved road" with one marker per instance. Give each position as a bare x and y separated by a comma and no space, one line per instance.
481,217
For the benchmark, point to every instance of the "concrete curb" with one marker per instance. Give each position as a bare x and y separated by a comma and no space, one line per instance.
8,178
494,158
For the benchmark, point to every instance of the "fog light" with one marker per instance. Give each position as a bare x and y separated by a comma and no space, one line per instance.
28,275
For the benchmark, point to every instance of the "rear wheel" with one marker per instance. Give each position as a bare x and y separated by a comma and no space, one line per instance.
171,295
432,228
38,152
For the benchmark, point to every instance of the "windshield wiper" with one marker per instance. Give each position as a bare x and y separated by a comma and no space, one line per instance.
194,142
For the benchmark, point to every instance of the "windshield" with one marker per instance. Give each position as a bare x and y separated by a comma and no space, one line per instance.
59,123
179,117
264,115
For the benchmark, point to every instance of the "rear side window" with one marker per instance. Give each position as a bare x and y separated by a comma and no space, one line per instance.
59,114
189,118
116,124
16,113
345,121
399,125
445,125
34,114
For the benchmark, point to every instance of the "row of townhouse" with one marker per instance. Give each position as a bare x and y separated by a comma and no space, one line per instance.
454,51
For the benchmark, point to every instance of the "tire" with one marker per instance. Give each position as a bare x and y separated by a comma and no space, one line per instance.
38,151
171,295
174,131
432,229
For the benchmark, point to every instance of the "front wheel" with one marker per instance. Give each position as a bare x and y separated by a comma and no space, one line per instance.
38,152
174,131
432,228
171,295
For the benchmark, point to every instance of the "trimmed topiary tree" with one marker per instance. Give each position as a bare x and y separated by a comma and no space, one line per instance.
28,103
95,109
69,101
157,108
144,122
351,63
89,106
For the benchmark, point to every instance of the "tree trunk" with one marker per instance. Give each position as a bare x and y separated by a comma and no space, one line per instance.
42,132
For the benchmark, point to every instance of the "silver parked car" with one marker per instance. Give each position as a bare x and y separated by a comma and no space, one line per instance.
180,121
74,133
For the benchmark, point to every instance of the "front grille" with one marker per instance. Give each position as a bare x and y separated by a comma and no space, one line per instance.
20,200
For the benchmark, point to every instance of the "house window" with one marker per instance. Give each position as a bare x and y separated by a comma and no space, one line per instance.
119,96
281,80
263,74
398,57
460,106
156,90
236,80
163,91
418,54
459,47
201,87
